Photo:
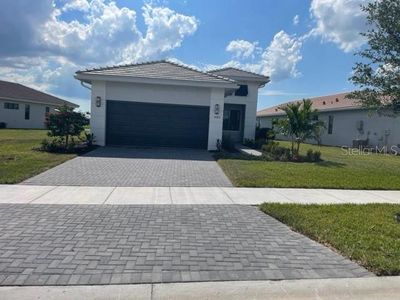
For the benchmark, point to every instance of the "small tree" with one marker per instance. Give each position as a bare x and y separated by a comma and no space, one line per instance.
378,75
301,123
65,123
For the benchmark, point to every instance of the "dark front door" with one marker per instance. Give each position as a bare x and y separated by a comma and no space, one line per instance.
233,122
160,125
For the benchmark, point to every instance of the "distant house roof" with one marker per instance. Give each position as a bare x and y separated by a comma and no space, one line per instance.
238,74
156,70
323,103
18,92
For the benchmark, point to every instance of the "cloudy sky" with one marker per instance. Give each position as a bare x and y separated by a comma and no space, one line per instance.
307,47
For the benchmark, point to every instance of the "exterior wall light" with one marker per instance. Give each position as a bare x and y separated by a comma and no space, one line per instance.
216,109
98,101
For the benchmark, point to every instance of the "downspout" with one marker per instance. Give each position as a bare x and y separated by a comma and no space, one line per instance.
85,86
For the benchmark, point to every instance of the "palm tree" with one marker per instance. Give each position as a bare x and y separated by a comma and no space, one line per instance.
301,123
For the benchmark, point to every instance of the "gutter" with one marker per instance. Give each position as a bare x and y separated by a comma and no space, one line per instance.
85,86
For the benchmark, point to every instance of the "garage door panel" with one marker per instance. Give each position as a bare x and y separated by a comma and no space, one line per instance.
151,124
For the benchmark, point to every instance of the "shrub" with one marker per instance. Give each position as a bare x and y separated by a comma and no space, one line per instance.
276,152
65,124
255,144
313,156
3,125
57,145
54,145
227,143
273,151
89,139
265,134
317,156
270,146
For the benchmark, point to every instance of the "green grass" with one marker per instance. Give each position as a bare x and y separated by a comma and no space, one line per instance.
337,170
17,159
367,234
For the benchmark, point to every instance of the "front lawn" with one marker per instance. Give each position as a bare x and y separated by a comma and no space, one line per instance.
367,234
17,159
337,170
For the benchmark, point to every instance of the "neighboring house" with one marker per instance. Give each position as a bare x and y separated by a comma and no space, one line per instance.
23,107
347,124
166,104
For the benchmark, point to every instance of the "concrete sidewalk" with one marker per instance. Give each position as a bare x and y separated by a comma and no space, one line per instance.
322,289
187,195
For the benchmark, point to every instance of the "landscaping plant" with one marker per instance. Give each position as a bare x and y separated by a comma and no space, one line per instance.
66,127
377,74
301,123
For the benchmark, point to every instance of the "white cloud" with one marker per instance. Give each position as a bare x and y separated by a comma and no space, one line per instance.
103,38
268,92
166,30
340,22
43,50
296,20
242,48
80,5
280,58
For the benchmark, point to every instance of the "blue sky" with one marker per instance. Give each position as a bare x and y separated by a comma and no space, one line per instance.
307,47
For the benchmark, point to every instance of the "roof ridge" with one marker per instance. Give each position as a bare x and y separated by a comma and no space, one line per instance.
155,62
331,95
28,87
121,66
33,90
199,71
237,69
278,106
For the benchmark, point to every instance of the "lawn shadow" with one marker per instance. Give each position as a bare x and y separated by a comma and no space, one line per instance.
331,164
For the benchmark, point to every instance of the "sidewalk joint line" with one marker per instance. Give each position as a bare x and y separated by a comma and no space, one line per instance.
377,194
332,194
104,202
276,190
45,193
170,195
233,202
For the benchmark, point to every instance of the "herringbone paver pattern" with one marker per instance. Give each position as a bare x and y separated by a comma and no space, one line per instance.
123,166
106,244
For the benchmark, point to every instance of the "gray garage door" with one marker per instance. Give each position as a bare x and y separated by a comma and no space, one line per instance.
151,124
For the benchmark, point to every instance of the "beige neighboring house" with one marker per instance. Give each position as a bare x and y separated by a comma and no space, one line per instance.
24,107
346,123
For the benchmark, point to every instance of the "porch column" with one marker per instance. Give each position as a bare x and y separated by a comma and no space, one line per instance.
98,114
216,119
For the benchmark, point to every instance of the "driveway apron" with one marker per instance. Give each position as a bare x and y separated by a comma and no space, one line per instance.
114,244
124,166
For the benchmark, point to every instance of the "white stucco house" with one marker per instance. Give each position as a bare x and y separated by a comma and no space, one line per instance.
24,107
347,123
166,104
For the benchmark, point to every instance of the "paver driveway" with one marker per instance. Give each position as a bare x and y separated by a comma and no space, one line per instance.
103,244
114,166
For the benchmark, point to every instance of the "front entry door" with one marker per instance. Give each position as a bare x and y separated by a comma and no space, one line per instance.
233,122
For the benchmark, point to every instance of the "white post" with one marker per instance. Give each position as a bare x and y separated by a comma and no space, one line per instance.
98,114
216,119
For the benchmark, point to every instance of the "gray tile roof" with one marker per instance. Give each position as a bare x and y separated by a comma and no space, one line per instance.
238,73
322,103
18,92
159,70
